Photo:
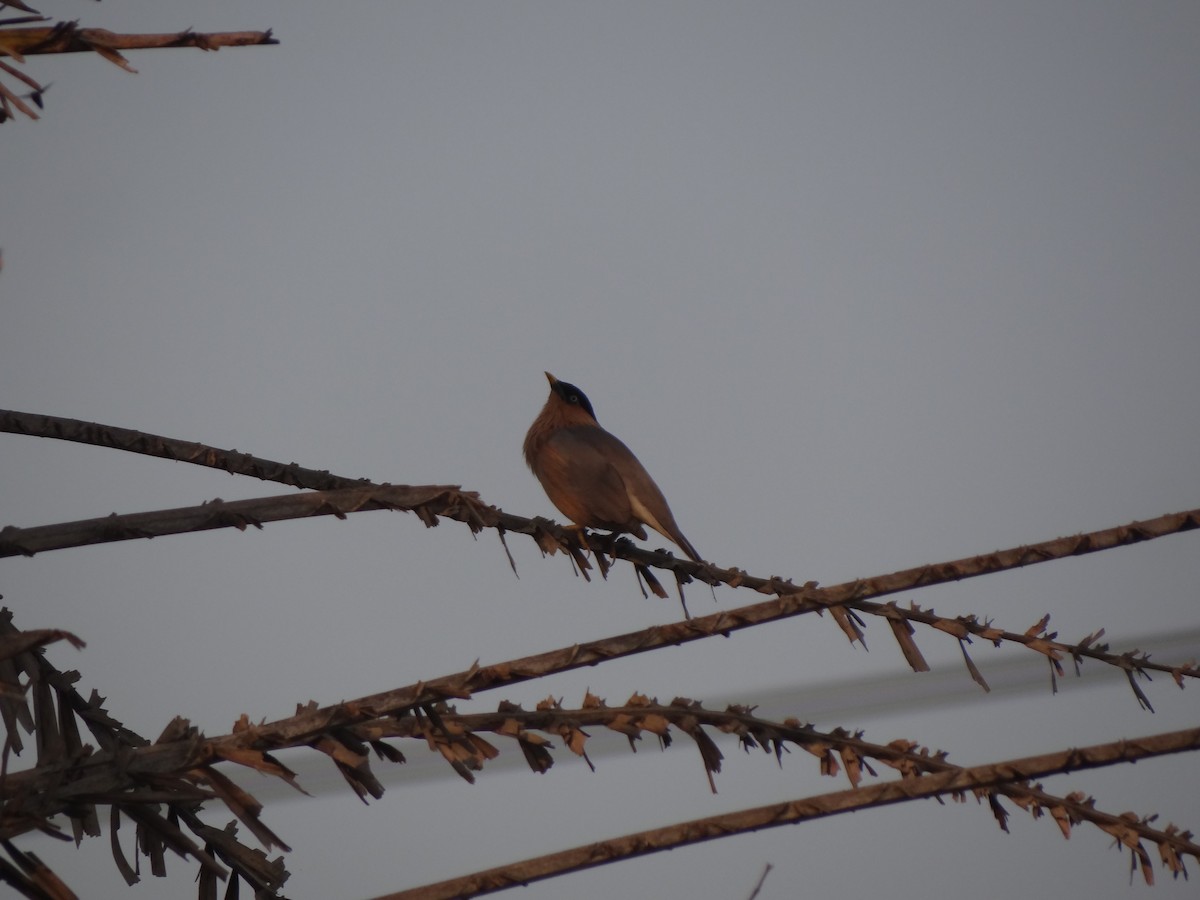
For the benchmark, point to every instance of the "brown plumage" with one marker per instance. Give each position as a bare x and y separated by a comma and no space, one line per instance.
593,478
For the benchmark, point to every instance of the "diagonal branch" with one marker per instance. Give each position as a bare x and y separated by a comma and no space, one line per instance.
549,536
954,781
366,718
309,723
641,716
450,501
130,441
73,780
431,501
234,462
805,598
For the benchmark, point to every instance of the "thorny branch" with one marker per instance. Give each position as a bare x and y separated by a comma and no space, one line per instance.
954,781
430,502
421,499
340,731
311,721
134,777
342,495
456,736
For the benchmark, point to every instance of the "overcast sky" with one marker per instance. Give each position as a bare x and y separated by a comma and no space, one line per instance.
864,285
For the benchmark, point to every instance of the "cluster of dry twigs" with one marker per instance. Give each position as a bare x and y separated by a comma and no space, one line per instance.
161,786
72,778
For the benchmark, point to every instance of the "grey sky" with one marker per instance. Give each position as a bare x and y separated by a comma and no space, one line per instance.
865,285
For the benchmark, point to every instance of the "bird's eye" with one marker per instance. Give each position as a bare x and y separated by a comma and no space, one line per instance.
574,398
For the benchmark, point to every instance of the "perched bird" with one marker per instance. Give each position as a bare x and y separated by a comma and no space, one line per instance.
593,478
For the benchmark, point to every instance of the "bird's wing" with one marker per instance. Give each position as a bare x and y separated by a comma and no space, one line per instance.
591,462
646,499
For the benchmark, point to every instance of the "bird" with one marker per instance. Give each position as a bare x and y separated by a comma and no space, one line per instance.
590,475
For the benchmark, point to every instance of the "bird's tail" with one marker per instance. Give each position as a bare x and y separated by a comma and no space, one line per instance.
686,545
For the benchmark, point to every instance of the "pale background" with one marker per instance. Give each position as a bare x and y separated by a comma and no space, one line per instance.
865,285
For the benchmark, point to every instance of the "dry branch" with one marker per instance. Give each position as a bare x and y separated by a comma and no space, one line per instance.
641,716
345,730
341,495
431,501
954,781
231,461
551,536
311,722
68,37
65,781
425,500
453,735
134,777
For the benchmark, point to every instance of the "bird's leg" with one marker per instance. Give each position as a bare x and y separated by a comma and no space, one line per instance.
609,547
578,549
597,554
580,533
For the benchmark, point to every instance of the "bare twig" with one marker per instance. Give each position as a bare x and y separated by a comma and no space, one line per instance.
762,879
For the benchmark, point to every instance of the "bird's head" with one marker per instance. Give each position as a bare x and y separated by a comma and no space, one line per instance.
574,402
